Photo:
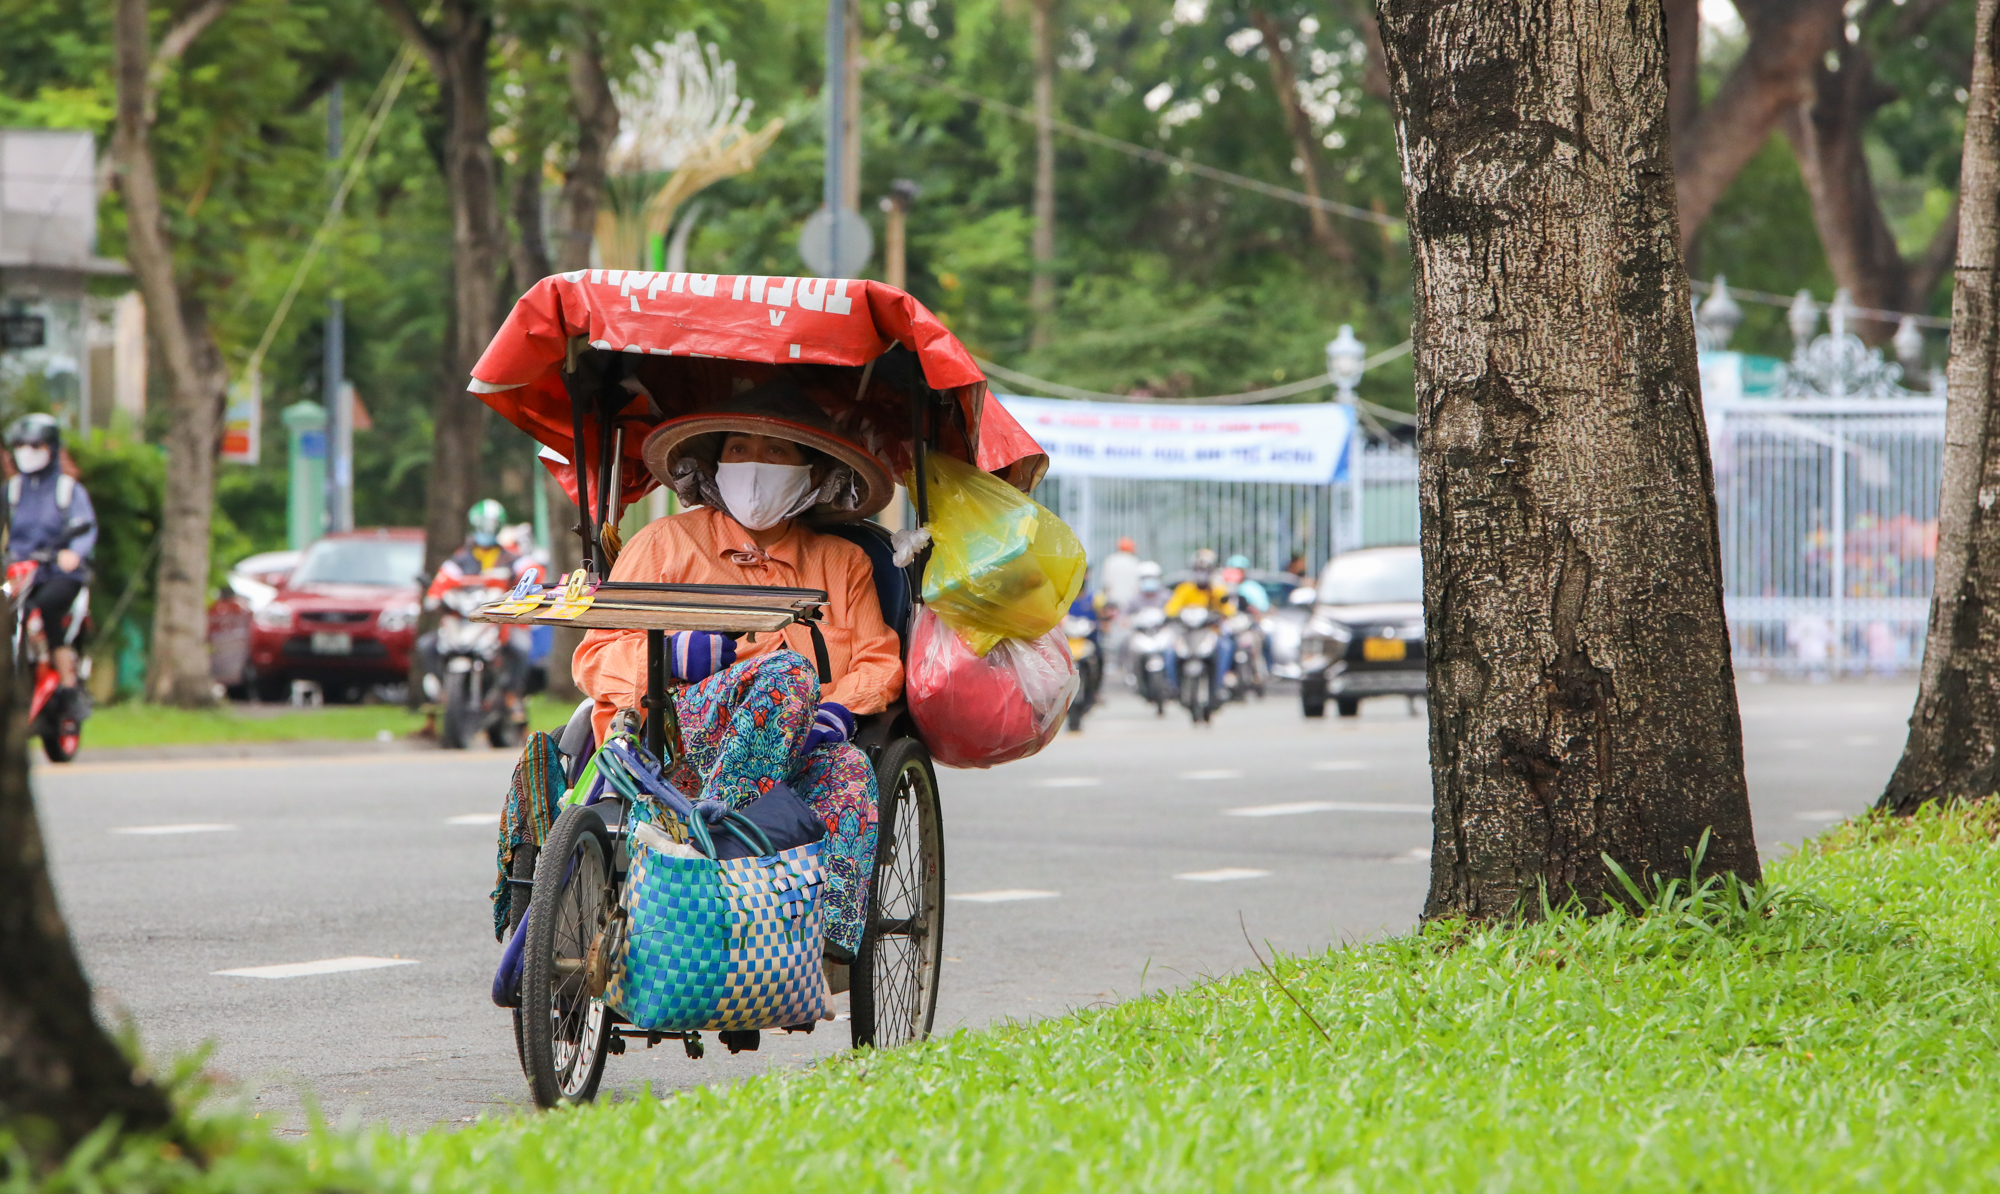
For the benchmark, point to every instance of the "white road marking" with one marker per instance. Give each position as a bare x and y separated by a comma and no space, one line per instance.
323,966
1223,875
163,830
1419,854
1341,765
1224,773
490,820
1069,781
1005,895
1323,806
1821,815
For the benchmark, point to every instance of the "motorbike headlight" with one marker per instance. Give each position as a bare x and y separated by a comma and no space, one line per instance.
1193,615
1327,628
1079,627
273,615
1412,631
398,618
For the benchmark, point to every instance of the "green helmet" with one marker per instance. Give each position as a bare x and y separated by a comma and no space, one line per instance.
485,519
1239,560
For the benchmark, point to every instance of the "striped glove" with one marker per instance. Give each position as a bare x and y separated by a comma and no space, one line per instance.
833,723
693,655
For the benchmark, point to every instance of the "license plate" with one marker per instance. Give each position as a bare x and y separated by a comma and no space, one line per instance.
1080,647
1383,650
325,643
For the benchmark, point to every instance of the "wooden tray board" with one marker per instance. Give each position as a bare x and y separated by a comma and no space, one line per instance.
623,615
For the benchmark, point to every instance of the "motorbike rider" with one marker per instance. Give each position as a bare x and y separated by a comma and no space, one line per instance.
1204,590
43,505
1236,581
1118,576
483,555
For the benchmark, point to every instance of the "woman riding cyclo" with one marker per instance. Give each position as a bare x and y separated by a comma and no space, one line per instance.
754,714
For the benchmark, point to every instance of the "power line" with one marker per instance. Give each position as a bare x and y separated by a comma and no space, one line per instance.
1786,300
1176,164
1270,394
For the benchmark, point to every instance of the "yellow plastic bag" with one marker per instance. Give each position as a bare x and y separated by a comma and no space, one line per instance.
1001,565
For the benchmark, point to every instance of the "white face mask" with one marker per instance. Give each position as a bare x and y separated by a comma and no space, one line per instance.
760,496
31,459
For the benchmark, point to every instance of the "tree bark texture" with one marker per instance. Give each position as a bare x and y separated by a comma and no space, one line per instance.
596,112
1582,701
1953,750
196,378
61,1076
1298,125
1786,38
456,47
1042,286
1827,140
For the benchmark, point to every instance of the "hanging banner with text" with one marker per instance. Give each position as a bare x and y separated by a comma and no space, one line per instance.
1292,444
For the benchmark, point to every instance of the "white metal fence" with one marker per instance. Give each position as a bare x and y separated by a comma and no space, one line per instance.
1826,489
1828,511
1169,520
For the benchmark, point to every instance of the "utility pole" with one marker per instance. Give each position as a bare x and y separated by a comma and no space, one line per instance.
837,80
1042,284
895,213
333,387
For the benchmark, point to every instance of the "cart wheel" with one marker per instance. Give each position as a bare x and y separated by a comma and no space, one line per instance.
564,1031
523,868
505,733
894,995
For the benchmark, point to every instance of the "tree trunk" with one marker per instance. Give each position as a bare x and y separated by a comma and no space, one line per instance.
1683,65
1277,49
596,111
1786,38
1582,701
530,249
1953,751
1042,286
179,670
1828,141
457,48
60,1075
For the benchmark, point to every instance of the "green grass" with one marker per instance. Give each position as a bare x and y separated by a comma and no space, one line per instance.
135,724
1836,1034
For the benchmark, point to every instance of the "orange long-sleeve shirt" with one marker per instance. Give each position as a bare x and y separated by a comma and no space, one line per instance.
696,548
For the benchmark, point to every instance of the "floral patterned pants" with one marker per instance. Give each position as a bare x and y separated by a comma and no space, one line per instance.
743,728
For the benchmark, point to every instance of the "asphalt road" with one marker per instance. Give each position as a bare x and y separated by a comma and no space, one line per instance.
1130,857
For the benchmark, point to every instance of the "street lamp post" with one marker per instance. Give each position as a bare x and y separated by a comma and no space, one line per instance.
1346,360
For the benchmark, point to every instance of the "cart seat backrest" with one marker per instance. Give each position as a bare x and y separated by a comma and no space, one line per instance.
895,588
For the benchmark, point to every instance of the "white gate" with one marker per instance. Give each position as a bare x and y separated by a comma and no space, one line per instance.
1169,520
1828,512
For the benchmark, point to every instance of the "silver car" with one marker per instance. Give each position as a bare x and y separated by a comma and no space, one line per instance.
1366,634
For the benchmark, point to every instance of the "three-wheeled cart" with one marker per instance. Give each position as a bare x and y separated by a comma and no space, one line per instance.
589,363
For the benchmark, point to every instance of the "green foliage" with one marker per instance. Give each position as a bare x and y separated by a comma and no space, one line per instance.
1832,1030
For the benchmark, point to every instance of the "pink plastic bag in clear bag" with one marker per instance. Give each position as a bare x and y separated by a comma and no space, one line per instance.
978,711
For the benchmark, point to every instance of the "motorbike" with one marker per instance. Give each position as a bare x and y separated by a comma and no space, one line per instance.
1249,675
1147,650
1195,647
55,713
1087,649
470,679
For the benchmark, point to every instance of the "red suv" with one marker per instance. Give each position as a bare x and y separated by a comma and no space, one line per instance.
345,617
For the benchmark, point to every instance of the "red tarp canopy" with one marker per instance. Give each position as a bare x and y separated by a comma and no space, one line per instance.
695,340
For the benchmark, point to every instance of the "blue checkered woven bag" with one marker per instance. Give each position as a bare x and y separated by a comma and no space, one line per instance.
709,944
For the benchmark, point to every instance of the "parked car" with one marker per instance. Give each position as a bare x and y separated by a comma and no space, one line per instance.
1366,634
344,616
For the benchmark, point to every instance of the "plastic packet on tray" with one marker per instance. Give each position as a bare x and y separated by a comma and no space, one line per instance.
1001,566
980,711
